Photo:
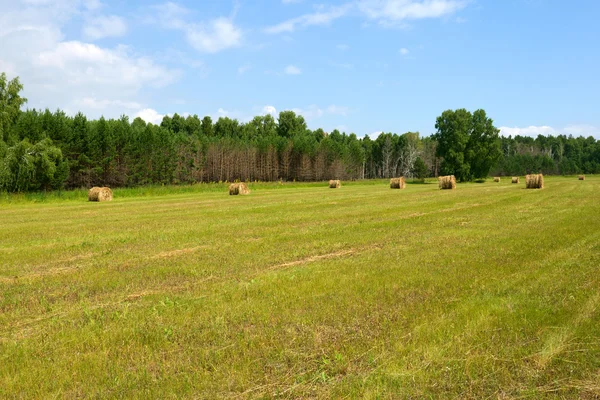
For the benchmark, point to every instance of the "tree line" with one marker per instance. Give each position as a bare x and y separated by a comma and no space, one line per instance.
45,150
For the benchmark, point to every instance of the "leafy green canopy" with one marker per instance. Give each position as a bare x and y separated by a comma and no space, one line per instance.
10,104
468,143
25,166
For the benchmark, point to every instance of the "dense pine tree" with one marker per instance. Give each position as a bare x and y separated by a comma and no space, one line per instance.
44,150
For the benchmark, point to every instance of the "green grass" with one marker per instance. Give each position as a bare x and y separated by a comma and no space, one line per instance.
161,190
300,291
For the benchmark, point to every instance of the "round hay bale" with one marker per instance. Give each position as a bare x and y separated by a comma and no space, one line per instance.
335,184
582,177
497,179
534,181
398,183
93,193
239,188
515,179
447,182
100,194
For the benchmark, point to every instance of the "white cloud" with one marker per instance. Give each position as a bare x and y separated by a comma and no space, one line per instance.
206,37
404,51
242,117
385,12
92,102
532,131
289,70
310,112
72,75
170,15
321,17
217,35
374,135
92,4
292,70
583,130
150,116
84,64
104,26
390,11
269,110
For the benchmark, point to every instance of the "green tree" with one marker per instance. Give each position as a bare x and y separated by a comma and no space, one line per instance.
28,167
483,148
467,142
227,127
50,168
16,168
177,123
452,135
10,104
290,124
207,127
420,169
193,125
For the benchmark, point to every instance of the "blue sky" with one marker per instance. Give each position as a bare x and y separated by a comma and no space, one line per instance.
361,66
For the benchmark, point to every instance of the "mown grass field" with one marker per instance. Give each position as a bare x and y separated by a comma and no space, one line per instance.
300,291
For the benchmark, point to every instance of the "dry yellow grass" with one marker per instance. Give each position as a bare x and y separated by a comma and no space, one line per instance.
534,181
100,194
238,188
398,183
335,184
447,182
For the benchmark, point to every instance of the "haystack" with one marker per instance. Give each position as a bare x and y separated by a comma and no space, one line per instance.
447,182
497,179
582,177
516,179
238,188
335,184
535,181
100,194
397,183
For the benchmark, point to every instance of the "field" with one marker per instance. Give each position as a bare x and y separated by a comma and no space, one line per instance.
300,291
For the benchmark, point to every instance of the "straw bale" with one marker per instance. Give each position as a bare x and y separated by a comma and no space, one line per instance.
100,194
534,181
447,182
239,188
398,183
